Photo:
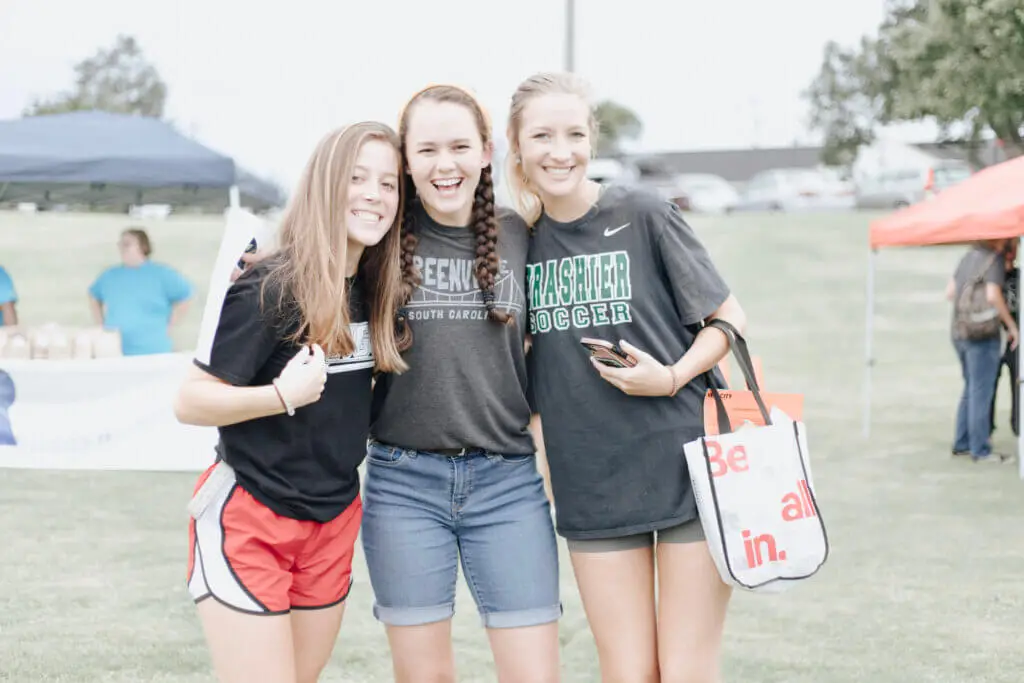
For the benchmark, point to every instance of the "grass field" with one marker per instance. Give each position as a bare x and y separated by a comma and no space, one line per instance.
925,579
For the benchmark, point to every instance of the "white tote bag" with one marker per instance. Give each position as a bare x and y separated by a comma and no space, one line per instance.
755,494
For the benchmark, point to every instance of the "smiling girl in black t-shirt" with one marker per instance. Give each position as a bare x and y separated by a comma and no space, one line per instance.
286,378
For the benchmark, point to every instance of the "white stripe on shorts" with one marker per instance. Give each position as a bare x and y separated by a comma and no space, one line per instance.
211,572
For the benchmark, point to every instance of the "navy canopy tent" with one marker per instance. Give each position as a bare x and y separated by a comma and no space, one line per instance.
99,158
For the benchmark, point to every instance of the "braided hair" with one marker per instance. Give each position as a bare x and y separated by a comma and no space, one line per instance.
410,274
483,221
485,227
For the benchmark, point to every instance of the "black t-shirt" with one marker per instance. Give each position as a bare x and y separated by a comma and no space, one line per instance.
303,466
630,269
1011,292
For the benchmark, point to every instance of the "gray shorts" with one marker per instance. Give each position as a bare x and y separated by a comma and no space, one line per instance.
687,532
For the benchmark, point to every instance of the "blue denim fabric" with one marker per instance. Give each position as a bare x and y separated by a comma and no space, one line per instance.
424,512
979,361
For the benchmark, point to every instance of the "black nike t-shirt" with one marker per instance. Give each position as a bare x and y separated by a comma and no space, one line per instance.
301,466
630,269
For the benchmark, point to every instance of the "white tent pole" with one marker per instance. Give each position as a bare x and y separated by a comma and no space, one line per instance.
869,328
234,198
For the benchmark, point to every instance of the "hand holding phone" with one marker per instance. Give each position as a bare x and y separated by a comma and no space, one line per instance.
608,353
645,376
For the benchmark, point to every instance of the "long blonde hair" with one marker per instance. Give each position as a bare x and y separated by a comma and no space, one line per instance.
313,247
526,200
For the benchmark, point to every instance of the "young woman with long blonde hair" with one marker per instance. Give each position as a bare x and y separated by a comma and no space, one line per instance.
286,378
621,265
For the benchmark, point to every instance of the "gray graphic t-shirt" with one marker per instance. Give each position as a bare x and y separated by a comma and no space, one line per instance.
466,383
630,269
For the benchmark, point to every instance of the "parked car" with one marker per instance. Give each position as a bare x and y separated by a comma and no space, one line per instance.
707,193
794,189
668,189
609,171
898,187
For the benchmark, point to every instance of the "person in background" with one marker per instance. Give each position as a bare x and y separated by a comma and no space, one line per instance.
1011,293
8,299
141,299
7,395
980,358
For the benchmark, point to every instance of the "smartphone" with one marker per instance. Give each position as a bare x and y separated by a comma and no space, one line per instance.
608,353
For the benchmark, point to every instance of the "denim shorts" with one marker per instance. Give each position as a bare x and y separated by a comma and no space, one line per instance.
423,512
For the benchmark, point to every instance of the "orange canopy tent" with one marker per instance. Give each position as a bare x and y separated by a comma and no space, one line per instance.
988,205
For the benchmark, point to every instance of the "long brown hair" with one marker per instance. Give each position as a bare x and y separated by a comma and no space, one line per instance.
313,246
483,222
526,200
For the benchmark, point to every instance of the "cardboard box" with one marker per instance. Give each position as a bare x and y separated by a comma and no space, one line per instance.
15,342
52,341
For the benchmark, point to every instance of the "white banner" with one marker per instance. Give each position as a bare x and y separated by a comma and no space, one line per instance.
110,413
117,413
243,232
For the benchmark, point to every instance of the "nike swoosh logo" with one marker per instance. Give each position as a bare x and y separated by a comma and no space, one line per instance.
608,232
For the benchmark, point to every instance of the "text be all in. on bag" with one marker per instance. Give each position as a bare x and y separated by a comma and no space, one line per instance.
751,477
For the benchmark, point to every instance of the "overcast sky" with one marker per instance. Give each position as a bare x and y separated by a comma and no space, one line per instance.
263,81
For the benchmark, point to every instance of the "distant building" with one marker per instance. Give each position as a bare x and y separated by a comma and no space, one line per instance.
739,165
735,165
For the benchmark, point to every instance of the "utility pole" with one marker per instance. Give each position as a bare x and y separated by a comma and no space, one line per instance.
570,35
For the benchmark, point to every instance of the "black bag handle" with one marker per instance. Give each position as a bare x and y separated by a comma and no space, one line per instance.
738,346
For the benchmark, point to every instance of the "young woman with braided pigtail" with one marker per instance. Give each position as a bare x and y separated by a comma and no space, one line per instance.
451,472
484,225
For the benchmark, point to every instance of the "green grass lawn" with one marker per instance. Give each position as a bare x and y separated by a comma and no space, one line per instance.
925,579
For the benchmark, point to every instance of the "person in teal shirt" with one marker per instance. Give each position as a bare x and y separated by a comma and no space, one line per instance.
8,298
8,316
139,298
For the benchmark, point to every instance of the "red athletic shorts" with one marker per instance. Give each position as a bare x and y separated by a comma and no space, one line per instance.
251,559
